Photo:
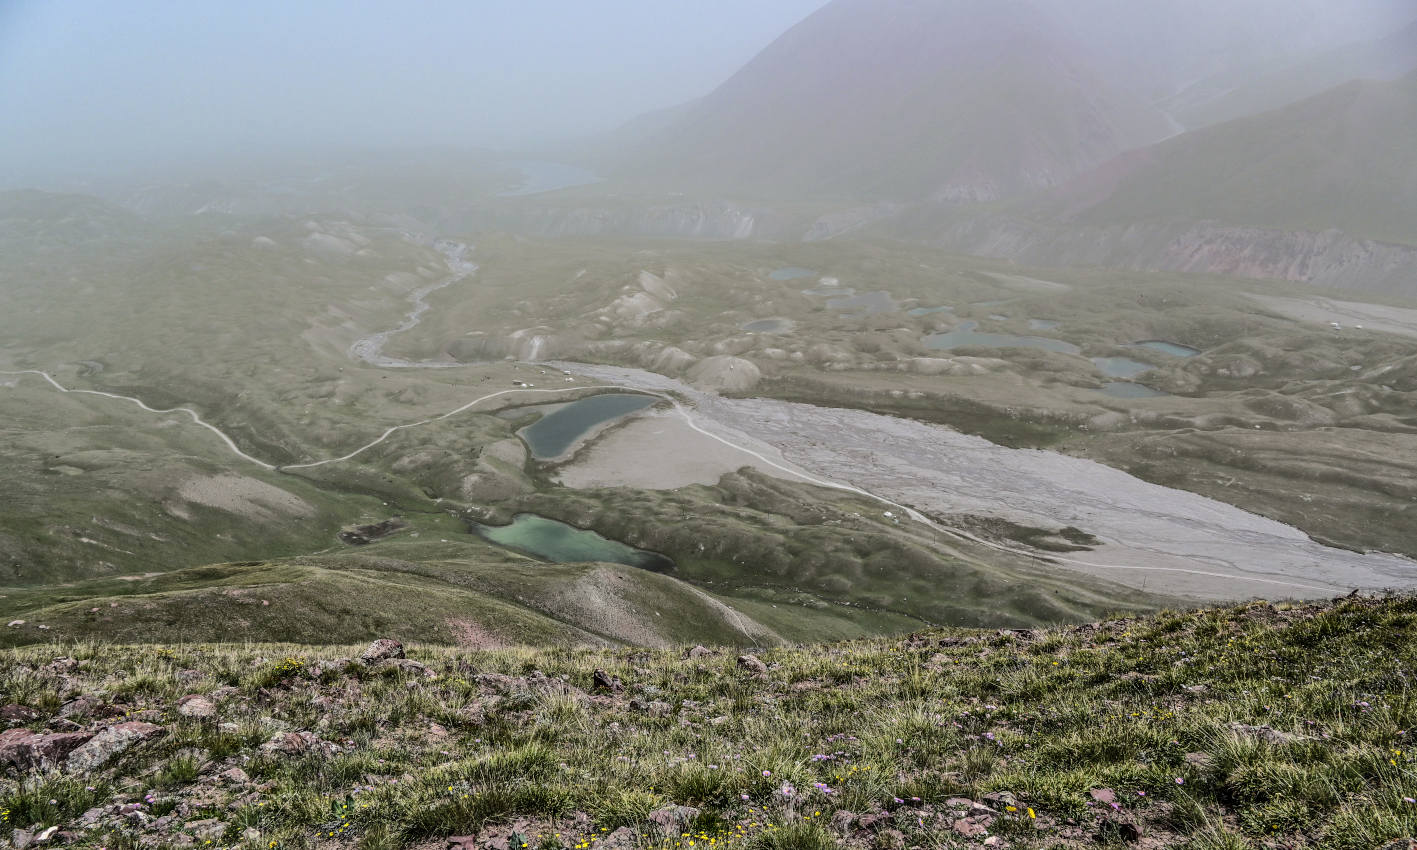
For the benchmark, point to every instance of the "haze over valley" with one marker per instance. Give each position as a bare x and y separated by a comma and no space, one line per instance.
522,330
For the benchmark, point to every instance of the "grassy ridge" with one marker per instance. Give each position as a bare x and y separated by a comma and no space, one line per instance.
1255,726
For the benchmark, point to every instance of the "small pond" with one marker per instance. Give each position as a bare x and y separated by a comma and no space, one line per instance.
1121,367
1175,349
1127,389
1043,325
560,543
791,273
967,335
926,311
551,435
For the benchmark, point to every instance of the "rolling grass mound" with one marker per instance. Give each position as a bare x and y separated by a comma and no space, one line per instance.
1265,725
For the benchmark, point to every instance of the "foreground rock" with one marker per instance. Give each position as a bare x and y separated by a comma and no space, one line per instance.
383,649
111,743
24,750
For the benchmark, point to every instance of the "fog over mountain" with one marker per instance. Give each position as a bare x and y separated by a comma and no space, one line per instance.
975,98
90,86
767,424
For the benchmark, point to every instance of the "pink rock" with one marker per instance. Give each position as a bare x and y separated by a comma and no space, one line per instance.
26,750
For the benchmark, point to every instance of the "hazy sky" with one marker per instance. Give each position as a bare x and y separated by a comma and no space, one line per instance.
85,80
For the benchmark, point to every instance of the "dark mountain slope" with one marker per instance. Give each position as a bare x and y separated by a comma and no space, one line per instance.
958,100
1344,160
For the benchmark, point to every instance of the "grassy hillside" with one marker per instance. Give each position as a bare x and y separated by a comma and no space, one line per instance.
1341,160
447,594
1257,726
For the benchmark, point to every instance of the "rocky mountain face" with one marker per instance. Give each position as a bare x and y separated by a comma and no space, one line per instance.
968,100
1324,191
1327,258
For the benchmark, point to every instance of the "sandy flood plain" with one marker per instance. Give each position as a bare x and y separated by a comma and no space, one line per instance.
1155,538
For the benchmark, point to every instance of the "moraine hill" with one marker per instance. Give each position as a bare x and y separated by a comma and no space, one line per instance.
1265,725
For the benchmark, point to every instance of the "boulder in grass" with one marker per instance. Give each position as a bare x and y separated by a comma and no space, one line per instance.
382,649
17,715
23,750
752,664
672,821
196,706
110,743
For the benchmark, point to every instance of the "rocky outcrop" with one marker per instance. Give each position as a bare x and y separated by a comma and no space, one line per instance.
382,649
111,743
24,750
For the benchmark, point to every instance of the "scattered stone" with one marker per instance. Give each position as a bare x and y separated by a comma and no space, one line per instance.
110,743
1400,844
382,649
1001,799
673,820
890,839
17,715
234,776
699,652
291,743
194,705
62,724
26,750
1114,830
15,624
842,820
408,665
752,664
603,681
209,829
463,842
83,706
621,839
972,826
995,841
61,666
1103,795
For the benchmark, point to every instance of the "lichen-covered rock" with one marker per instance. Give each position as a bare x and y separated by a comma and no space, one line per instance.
109,743
671,821
22,749
194,705
752,664
382,650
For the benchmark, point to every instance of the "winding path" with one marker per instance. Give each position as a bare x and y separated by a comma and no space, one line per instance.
196,417
689,421
369,349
